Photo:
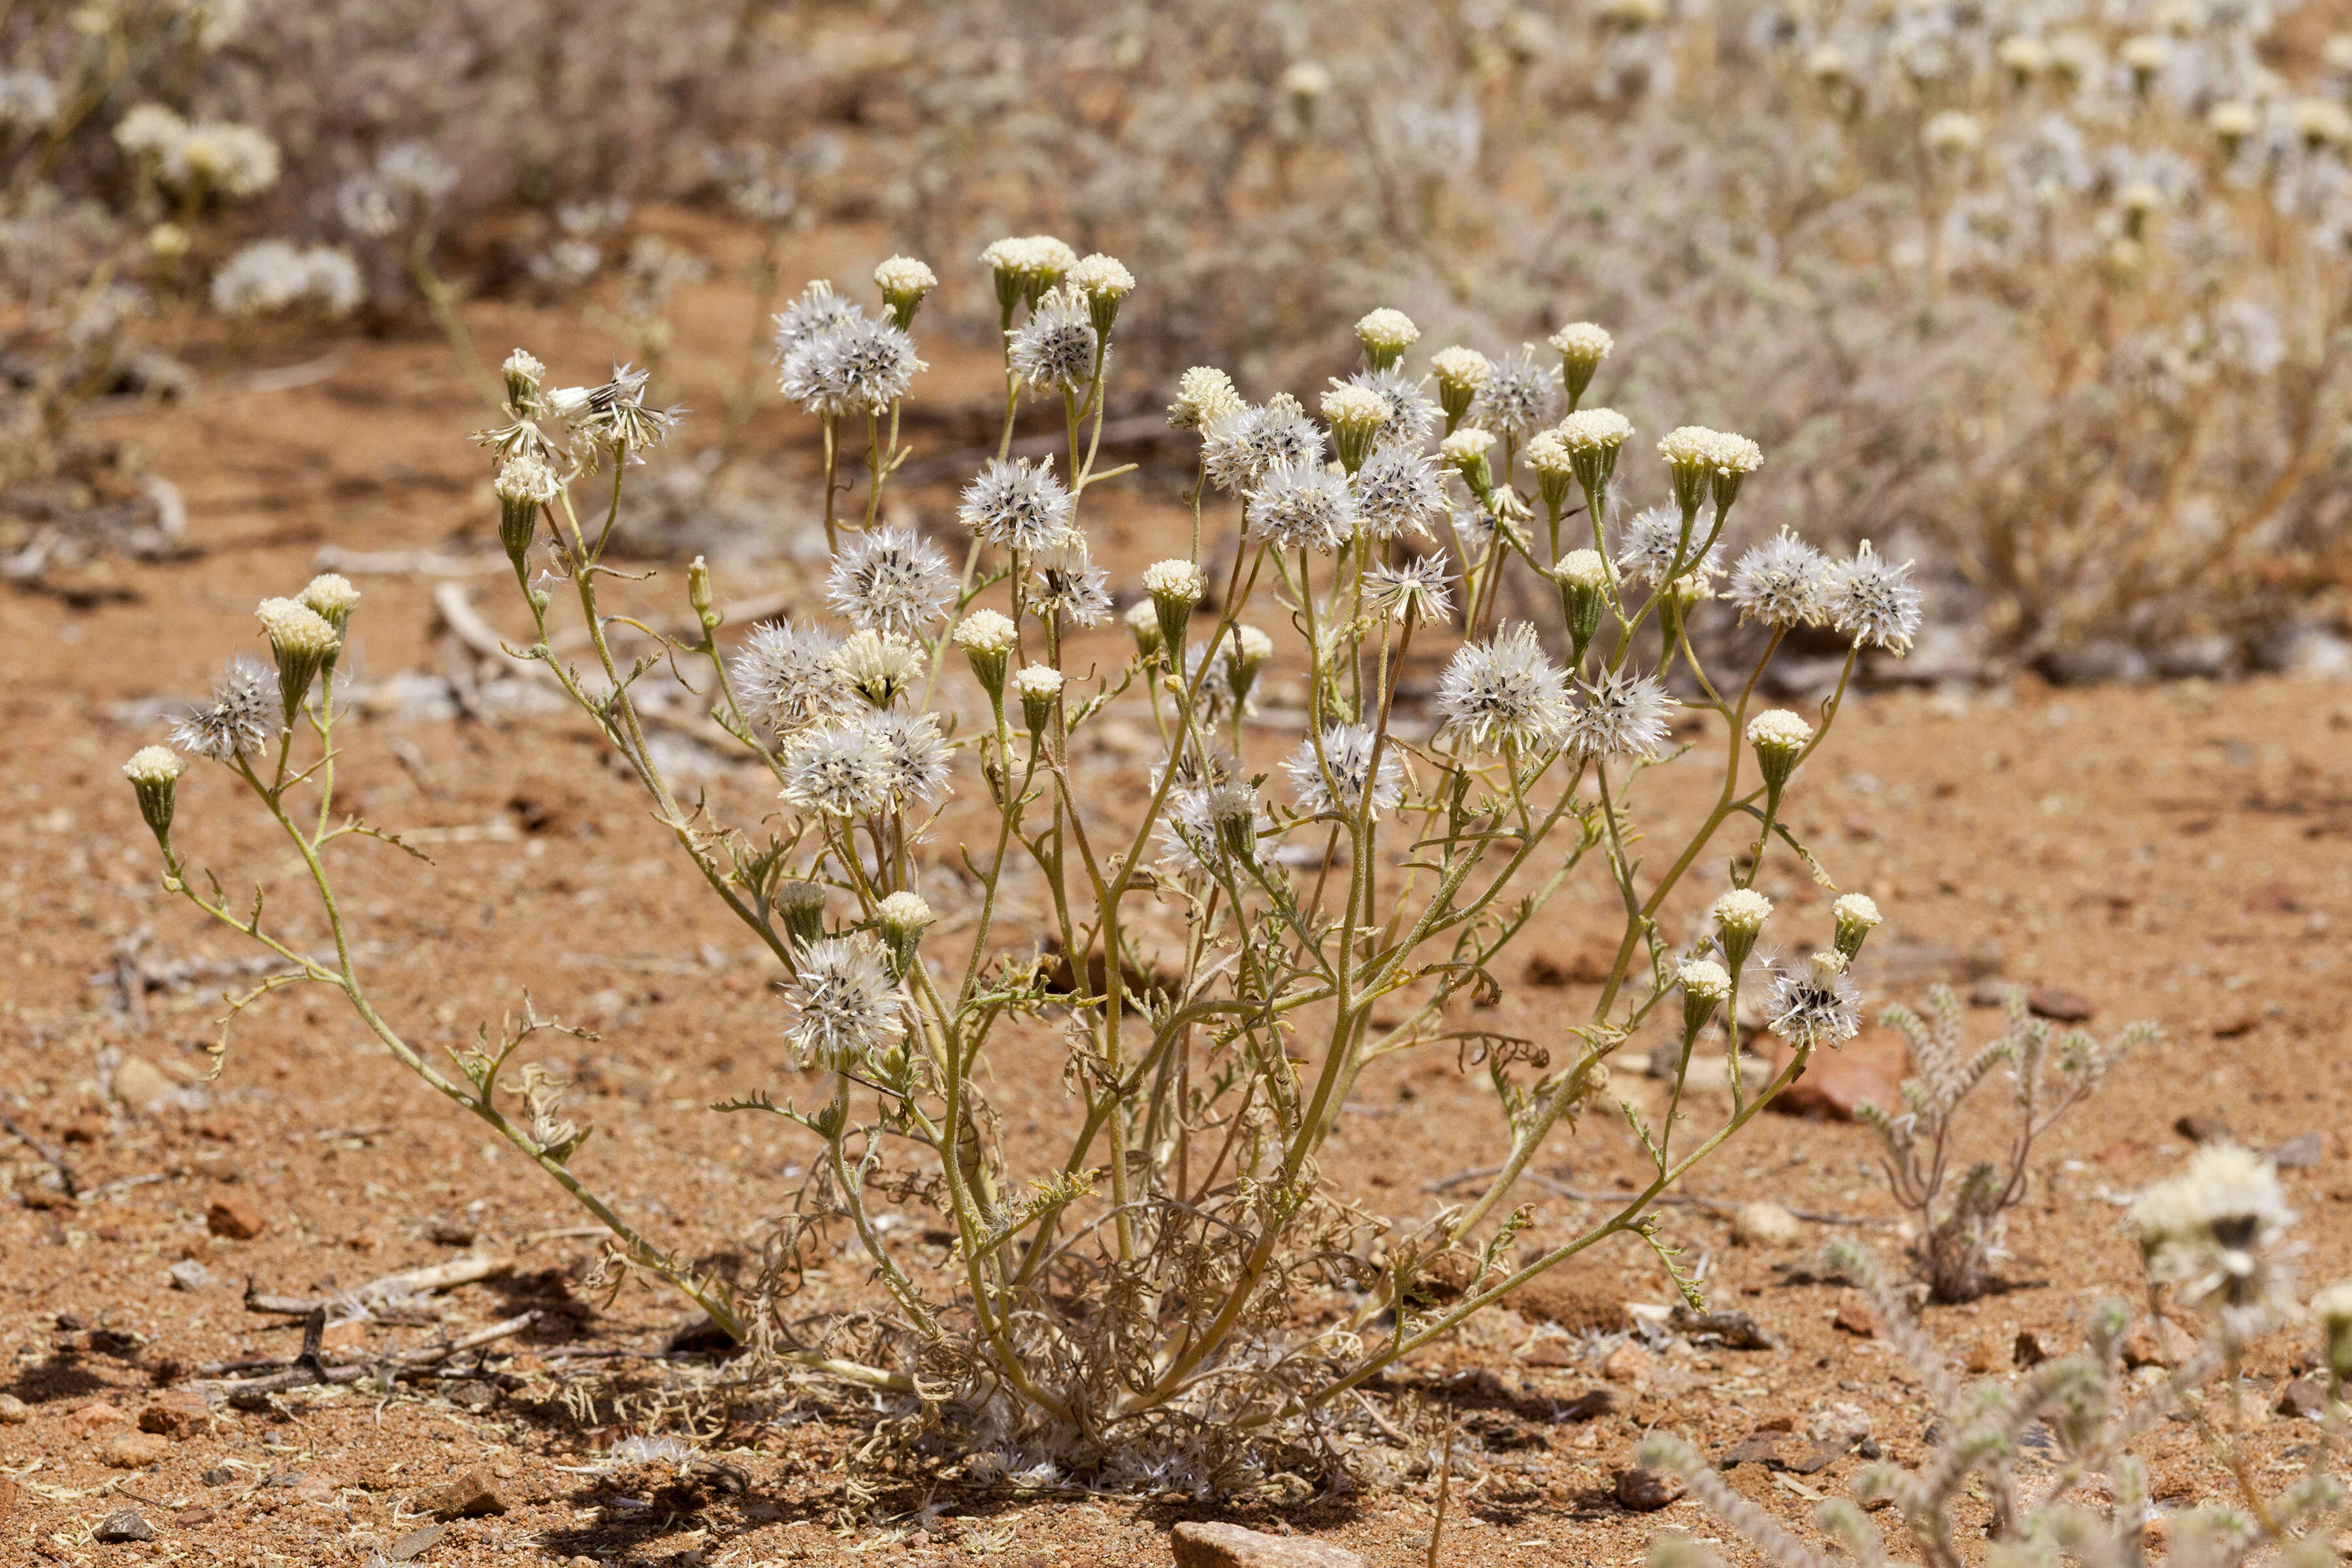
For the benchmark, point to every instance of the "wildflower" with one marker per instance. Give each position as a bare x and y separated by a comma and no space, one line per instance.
1190,836
839,769
1740,914
1056,346
988,639
1204,394
1584,574
1412,414
302,641
1621,716
2205,1233
1517,400
1039,687
904,281
1246,653
1386,334
1241,447
891,580
2145,55
1414,591
1504,692
2323,122
1474,529
1460,372
1781,582
1857,916
27,98
270,275
1302,506
1306,80
2025,57
1736,456
524,372
1466,451
332,598
1593,437
1015,505
1705,984
1827,64
1105,281
1815,1006
1069,581
1952,134
524,485
154,774
818,313
237,718
1650,542
1872,601
785,677
915,759
857,366
1142,619
1232,811
614,416
1779,737
1025,268
2231,122
844,1002
1397,491
236,161
2332,1307
880,667
901,919
1582,346
1348,759
1355,416
1174,587
1554,466
145,129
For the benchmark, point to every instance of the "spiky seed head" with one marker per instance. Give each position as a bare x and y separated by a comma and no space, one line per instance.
1386,334
881,667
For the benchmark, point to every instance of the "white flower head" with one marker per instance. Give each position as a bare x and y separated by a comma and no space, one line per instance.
891,580
1742,910
1102,276
1242,447
2207,1233
903,275
1778,729
1399,491
1517,398
879,665
844,1002
857,364
1064,580
1582,342
1622,715
786,675
987,632
1814,1005
1302,506
915,759
1584,569
1505,692
1056,346
1204,394
1873,601
1346,756
1705,979
1594,429
1780,582
839,769
1415,590
1465,447
1386,331
154,766
1412,412
1461,368
1017,506
1176,579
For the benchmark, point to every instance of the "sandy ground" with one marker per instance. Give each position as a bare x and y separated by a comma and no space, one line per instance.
2177,853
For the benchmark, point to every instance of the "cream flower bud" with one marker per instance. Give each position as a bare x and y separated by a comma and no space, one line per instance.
1777,736
1105,281
1584,573
1952,134
1583,346
2145,55
1039,687
2323,122
1205,395
1466,451
1554,465
1857,916
1460,372
2233,122
154,772
1736,457
1742,910
1705,985
900,918
524,485
1584,569
904,281
333,597
1142,619
1175,587
1355,414
2332,1307
802,906
524,372
988,638
1305,80
2024,56
302,641
1827,65
1689,454
1386,334
1593,437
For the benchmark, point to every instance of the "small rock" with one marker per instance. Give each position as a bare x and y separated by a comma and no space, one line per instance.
179,1414
220,1476
2157,1344
2273,898
2304,1399
2229,1026
2201,1127
1816,1455
471,1496
1763,1448
134,1450
1984,1354
91,1417
189,1518
1867,1071
1647,1492
2059,1006
2299,1152
190,1275
233,1214
1574,1298
1628,1363
124,1524
1854,1316
1990,993
1212,1545
1584,1408
2029,1348
473,1396
1735,1329
449,1235
1762,1224
141,1086
13,1412
2158,1532
415,1543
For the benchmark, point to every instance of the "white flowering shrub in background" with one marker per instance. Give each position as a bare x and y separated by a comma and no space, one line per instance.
2213,1240
2060,292
1222,954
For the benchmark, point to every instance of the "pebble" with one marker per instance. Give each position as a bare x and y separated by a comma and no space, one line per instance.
2304,1399
179,1414
2157,1344
91,1417
2031,1348
234,1216
471,1496
13,1412
124,1524
1212,1545
415,1543
1646,1491
2059,1006
140,1086
2200,1127
2299,1152
134,1450
1854,1316
190,1275
1762,1224
1628,1363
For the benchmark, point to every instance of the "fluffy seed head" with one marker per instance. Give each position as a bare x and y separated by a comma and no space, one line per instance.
1347,756
915,759
1815,1006
1412,412
1056,346
844,1002
1873,601
1621,716
239,717
1302,506
1015,505
891,580
1505,691
1398,491
840,769
1517,398
786,675
1780,582
1244,446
